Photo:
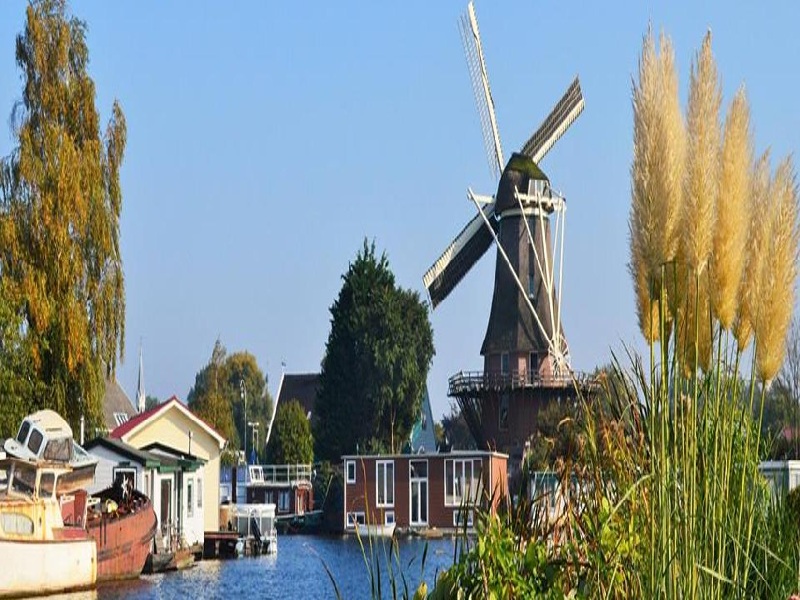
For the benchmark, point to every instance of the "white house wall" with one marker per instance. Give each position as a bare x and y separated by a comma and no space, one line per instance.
104,474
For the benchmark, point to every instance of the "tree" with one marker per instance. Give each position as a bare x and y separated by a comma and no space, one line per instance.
207,398
456,431
217,395
291,441
376,361
151,402
60,203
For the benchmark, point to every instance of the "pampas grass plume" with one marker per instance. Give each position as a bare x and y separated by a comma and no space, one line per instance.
733,211
702,164
758,236
655,177
778,273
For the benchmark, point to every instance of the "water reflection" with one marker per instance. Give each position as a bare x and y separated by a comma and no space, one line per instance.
297,569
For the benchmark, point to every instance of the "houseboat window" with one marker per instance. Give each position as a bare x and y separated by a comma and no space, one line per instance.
256,474
385,482
199,492
190,497
283,501
16,524
47,484
462,480
147,484
23,479
504,364
502,419
125,478
351,471
60,450
35,441
419,468
354,518
388,518
23,432
459,518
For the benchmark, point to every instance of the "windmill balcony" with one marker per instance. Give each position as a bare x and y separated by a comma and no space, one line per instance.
469,383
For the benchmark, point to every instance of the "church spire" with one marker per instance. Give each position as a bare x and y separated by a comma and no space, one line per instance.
140,395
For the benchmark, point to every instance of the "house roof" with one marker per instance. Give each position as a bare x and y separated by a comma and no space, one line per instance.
166,461
301,387
137,422
115,404
142,457
423,436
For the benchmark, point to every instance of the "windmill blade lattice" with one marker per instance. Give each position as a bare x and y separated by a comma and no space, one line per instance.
473,50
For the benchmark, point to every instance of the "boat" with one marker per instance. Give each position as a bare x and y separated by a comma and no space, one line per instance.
373,530
39,554
121,522
255,524
309,522
46,436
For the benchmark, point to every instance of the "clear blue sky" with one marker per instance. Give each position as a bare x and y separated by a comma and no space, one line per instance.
265,142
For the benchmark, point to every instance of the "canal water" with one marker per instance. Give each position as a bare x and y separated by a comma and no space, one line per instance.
297,570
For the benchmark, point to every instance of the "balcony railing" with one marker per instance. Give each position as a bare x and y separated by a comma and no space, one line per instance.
466,382
279,474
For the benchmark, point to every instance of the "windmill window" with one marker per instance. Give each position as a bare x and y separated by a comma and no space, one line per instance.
533,366
503,415
531,284
504,363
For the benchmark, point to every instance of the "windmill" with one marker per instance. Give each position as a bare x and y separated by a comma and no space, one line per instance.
524,347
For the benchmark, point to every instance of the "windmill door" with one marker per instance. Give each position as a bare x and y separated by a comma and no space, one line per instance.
418,490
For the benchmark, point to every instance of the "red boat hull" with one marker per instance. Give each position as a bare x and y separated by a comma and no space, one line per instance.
124,536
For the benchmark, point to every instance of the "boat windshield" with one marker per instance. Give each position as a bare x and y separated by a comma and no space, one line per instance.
23,479
58,450
23,431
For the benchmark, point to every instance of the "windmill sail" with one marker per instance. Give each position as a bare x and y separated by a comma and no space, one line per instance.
557,122
473,50
458,258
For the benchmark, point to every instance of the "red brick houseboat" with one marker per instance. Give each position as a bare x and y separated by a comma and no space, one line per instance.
421,491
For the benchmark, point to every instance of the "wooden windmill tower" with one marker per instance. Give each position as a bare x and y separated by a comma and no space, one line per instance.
526,357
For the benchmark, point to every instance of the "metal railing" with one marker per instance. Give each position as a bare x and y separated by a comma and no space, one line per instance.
285,474
465,382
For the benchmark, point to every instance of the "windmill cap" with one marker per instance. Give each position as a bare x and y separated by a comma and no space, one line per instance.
519,170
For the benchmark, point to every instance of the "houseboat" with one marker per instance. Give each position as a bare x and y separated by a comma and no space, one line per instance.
39,554
122,523
288,487
419,492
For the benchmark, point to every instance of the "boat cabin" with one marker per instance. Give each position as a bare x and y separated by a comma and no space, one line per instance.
288,487
45,435
421,491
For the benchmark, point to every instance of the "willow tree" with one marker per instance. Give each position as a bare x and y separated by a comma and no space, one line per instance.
60,203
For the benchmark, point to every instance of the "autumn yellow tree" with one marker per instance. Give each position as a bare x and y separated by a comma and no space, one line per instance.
60,202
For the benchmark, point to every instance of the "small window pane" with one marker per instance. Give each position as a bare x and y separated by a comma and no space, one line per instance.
23,432
35,441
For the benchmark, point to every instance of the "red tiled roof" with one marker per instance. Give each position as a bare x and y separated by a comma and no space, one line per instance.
140,418
128,426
